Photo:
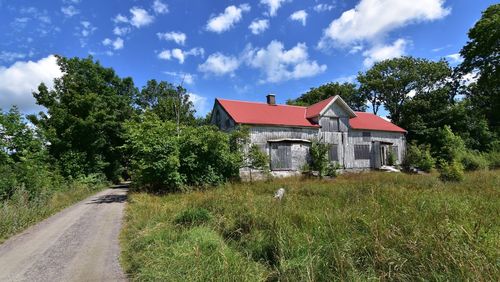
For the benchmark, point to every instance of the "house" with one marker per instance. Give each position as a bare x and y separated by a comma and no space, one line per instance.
358,140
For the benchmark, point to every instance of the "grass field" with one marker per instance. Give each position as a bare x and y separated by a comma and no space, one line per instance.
356,227
19,212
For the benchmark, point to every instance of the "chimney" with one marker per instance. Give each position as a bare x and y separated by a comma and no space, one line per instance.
271,99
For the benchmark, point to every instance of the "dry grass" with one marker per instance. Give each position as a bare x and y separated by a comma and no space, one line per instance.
356,227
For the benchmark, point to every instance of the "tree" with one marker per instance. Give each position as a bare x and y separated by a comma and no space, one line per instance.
319,160
482,57
167,101
257,159
85,115
348,91
392,82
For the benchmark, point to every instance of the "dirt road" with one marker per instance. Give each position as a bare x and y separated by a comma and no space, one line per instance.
78,244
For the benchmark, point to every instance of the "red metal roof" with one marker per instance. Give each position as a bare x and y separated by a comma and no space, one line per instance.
285,115
265,114
315,109
370,121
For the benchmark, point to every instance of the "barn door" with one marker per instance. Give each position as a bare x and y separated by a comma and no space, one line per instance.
281,156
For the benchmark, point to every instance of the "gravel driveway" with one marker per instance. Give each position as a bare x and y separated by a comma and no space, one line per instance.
79,243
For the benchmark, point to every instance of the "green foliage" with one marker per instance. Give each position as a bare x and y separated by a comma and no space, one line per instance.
348,91
418,156
319,160
472,161
449,147
391,158
360,227
161,161
192,216
451,171
332,169
389,82
493,158
152,146
482,55
257,158
85,115
167,101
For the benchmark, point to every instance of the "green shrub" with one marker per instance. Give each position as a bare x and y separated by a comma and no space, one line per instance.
319,160
419,157
472,161
192,216
451,172
493,158
449,147
391,158
332,169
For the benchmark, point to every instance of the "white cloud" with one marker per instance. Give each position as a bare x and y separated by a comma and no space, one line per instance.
300,16
323,8
19,80
184,77
120,19
160,7
344,79
278,64
177,37
273,6
6,56
69,11
226,20
117,43
455,58
372,19
180,55
384,52
140,17
199,103
258,26
219,64
121,31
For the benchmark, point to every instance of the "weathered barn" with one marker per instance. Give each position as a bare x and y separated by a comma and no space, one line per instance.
358,140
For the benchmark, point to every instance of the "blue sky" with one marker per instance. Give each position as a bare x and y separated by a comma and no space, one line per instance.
229,49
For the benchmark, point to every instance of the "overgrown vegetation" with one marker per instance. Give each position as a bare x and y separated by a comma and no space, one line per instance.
358,227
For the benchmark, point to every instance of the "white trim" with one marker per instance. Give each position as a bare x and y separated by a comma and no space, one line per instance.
342,103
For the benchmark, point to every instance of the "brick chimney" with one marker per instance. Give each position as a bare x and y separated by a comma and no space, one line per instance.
271,99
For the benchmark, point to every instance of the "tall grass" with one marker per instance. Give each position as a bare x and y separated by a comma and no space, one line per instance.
356,227
24,210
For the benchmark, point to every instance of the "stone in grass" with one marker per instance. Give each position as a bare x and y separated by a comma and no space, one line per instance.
280,193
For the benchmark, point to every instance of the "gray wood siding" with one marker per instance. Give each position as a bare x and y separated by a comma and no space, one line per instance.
221,119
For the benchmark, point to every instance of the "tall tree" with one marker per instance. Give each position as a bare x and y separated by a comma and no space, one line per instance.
168,102
482,57
85,115
348,91
393,82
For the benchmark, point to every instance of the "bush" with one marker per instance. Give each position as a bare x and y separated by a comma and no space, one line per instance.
391,158
493,158
319,161
332,169
472,161
451,172
449,147
418,157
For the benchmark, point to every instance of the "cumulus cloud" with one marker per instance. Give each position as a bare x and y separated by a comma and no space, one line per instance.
372,19
120,19
18,81
258,26
300,16
278,64
140,17
273,6
454,58
183,77
69,11
180,55
121,31
199,103
6,56
226,20
160,7
323,8
117,44
383,52
219,64
177,37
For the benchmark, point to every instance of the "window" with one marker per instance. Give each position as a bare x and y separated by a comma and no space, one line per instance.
228,123
367,136
333,154
362,152
281,156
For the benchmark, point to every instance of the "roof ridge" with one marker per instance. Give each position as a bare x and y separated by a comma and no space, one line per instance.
260,103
